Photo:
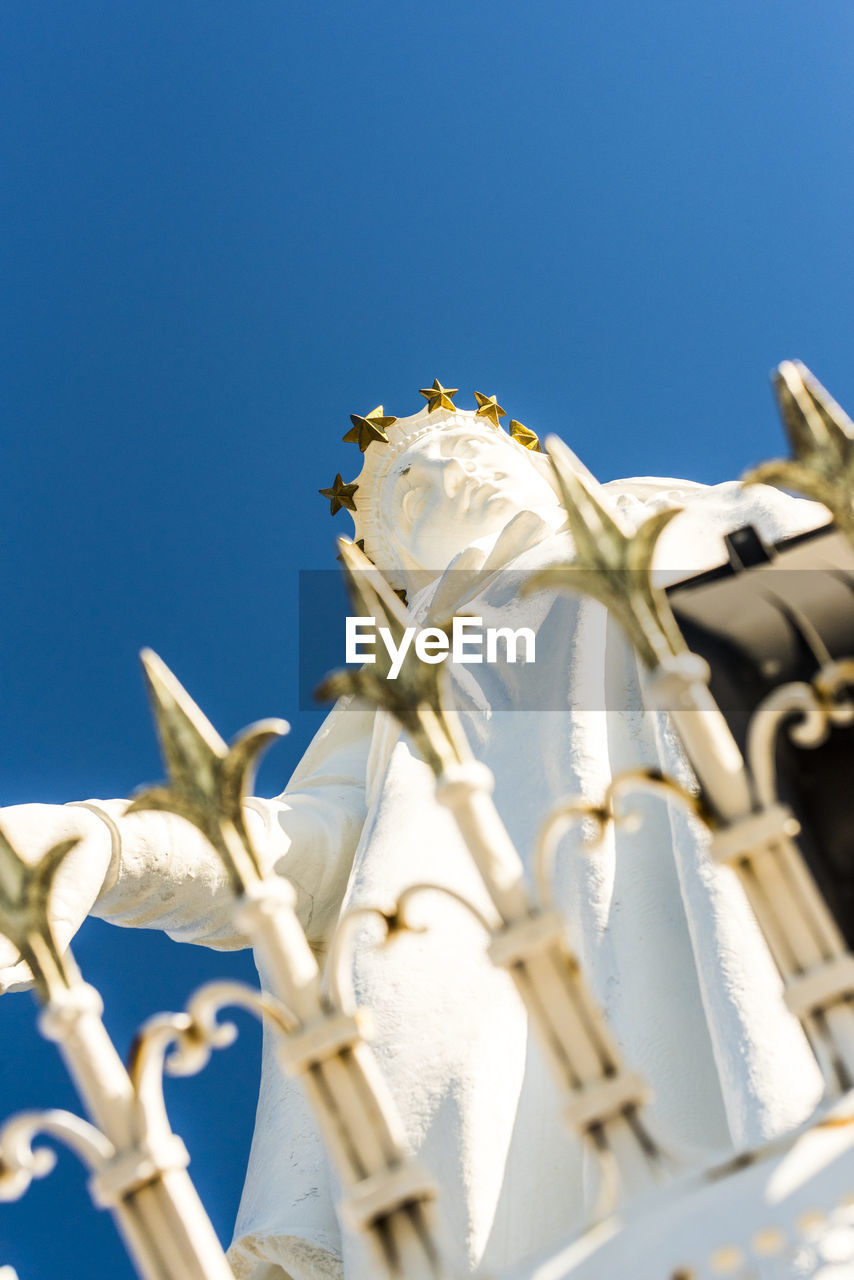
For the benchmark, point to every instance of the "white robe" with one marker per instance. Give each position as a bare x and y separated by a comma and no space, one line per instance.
666,940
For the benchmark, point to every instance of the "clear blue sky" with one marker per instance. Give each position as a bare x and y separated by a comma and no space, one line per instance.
226,226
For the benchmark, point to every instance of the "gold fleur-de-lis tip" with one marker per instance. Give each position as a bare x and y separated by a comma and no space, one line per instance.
414,697
365,430
340,495
438,397
206,780
25,890
822,440
610,564
525,436
815,423
488,407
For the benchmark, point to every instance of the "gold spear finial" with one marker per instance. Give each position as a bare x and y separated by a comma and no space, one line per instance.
525,436
438,397
488,407
416,698
340,495
365,431
207,779
822,439
612,566
25,890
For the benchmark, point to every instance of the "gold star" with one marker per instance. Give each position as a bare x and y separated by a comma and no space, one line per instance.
524,436
488,407
372,427
340,495
438,397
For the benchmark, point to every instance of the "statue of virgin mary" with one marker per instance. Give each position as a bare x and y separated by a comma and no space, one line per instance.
458,513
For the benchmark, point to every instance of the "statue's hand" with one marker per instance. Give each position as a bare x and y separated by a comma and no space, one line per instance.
13,977
32,829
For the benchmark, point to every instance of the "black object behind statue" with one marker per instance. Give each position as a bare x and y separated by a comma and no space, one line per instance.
774,615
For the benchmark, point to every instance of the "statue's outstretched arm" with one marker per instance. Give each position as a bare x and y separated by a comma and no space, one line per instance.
154,870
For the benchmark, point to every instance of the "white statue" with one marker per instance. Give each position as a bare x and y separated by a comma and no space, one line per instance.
667,941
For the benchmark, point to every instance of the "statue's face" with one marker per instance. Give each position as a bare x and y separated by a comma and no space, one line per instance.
453,487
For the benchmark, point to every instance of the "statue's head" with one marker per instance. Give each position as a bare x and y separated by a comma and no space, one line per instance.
443,482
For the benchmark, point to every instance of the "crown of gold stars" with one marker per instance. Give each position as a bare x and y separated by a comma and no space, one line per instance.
373,428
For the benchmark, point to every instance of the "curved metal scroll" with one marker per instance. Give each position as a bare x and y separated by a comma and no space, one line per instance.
339,972
572,810
180,1044
20,1162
